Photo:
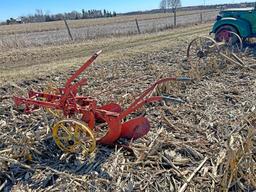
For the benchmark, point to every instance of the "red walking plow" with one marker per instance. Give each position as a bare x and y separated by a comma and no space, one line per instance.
83,118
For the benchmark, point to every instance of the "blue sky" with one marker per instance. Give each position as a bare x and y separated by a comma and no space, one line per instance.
15,8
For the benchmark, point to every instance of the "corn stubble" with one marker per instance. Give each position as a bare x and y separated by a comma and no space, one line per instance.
206,144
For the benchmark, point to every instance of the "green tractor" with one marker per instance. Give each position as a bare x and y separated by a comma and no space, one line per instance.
241,21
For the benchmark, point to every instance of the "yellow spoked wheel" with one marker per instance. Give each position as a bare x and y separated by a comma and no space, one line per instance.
72,136
55,113
52,88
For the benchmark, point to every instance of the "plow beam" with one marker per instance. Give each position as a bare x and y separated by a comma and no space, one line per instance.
81,69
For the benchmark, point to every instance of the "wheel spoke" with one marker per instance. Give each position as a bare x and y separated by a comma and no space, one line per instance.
64,138
76,131
73,136
203,52
66,130
85,149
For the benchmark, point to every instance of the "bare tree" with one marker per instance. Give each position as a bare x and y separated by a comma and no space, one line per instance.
39,16
163,5
174,4
171,4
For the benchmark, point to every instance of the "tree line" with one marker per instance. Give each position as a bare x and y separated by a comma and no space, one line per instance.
41,16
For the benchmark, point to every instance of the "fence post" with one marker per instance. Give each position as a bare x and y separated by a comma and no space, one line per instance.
201,17
69,32
137,24
175,18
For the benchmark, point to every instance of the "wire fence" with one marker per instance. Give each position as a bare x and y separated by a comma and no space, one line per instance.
127,27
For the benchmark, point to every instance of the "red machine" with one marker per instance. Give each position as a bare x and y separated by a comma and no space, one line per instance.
72,135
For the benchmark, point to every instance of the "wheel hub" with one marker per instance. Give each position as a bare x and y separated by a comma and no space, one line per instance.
71,142
201,54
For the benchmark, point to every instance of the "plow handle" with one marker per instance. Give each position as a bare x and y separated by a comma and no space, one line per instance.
140,101
82,68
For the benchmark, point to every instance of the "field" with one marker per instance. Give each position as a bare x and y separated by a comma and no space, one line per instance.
206,144
38,34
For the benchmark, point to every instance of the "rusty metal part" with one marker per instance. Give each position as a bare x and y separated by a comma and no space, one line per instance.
231,41
200,47
202,54
206,53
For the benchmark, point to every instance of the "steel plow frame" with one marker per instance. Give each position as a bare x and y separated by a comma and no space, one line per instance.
82,117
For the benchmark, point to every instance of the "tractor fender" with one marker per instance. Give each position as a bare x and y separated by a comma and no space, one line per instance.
242,26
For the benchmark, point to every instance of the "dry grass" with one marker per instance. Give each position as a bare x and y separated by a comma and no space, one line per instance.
57,25
123,26
23,62
206,144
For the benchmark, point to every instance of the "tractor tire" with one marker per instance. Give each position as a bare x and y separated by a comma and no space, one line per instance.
221,34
